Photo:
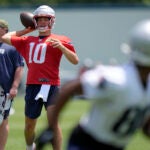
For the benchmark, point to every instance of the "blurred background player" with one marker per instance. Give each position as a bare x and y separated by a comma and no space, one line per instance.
11,71
119,97
43,54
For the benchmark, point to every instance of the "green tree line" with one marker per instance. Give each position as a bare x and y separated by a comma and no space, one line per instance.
57,2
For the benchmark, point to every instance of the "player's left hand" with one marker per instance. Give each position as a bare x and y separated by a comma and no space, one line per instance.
55,43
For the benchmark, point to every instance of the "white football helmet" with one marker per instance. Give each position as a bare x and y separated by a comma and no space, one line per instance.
44,11
139,43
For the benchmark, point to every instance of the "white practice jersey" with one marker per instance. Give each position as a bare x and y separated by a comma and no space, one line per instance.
119,102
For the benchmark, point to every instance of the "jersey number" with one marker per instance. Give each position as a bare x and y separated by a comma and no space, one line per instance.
130,121
37,53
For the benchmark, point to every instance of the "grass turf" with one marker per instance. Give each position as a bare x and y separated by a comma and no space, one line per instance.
69,117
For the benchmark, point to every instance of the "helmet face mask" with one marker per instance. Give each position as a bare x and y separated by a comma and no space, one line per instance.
139,43
44,11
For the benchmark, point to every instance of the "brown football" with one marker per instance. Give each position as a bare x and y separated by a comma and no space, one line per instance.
27,19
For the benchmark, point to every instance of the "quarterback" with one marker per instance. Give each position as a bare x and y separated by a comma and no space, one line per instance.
42,54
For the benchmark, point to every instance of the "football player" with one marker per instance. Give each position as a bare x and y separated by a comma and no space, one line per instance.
42,54
119,96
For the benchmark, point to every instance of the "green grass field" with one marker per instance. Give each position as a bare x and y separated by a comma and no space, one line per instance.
69,117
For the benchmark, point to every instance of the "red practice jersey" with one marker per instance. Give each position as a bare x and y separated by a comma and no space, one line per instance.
42,59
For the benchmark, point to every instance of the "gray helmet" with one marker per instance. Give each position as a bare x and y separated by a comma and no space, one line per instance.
139,43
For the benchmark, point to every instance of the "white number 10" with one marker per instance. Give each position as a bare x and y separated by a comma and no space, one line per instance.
37,54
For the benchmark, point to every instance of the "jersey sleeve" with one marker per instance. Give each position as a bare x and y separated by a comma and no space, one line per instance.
67,42
69,45
100,84
19,43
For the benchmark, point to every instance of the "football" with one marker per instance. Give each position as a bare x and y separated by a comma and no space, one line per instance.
26,19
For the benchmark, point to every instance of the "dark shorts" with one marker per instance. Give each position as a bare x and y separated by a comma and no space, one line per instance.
80,140
33,108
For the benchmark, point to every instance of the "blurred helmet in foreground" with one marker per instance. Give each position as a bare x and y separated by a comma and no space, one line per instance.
139,43
44,11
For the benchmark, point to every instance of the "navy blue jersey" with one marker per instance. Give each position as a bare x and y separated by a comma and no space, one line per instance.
9,61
